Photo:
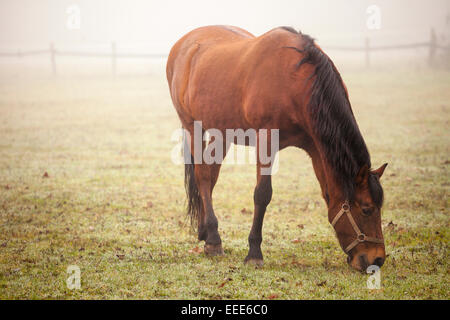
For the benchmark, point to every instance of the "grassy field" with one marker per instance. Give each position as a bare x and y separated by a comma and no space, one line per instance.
86,179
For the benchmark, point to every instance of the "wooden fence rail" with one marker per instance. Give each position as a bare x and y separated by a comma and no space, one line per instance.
432,46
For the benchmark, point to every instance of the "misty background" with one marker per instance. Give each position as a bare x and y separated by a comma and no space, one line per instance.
152,27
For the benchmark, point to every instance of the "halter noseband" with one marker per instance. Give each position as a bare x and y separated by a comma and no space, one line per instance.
360,237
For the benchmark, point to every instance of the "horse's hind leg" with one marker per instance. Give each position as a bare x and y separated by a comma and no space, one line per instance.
200,180
206,177
202,230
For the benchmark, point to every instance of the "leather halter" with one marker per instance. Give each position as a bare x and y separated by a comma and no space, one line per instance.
360,237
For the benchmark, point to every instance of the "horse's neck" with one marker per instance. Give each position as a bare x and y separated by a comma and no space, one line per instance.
331,190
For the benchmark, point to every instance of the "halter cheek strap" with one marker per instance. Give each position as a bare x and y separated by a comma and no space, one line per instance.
360,237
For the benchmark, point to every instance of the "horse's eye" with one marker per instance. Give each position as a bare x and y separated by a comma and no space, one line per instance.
367,211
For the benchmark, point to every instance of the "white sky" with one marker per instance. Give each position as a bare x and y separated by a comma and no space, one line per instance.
158,24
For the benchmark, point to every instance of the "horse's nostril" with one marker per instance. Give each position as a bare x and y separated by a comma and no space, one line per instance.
379,261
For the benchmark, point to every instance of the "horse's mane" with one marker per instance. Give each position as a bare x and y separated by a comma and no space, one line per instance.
334,122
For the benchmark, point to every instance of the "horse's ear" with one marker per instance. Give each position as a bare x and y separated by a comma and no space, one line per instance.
380,170
363,174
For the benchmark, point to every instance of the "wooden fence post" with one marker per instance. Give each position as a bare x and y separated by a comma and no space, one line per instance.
367,49
432,52
113,58
52,58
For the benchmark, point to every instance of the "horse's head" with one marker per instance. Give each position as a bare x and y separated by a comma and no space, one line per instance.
358,223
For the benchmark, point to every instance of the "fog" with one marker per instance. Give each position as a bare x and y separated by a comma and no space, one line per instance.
152,27
157,24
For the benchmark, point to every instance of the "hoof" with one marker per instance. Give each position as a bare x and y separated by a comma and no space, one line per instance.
256,262
213,249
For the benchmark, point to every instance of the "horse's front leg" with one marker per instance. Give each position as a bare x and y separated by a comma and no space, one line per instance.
261,197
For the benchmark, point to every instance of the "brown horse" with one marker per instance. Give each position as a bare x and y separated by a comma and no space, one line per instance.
227,78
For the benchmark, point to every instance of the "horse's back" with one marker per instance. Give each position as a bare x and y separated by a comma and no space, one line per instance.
182,51
224,72
194,50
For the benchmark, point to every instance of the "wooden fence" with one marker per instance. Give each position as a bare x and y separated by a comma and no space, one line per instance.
53,53
432,46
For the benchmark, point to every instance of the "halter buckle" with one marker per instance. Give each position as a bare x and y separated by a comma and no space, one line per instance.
361,237
345,206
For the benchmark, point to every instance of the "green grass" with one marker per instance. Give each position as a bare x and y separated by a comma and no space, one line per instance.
113,203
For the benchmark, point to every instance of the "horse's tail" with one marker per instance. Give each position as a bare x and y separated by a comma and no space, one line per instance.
194,201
